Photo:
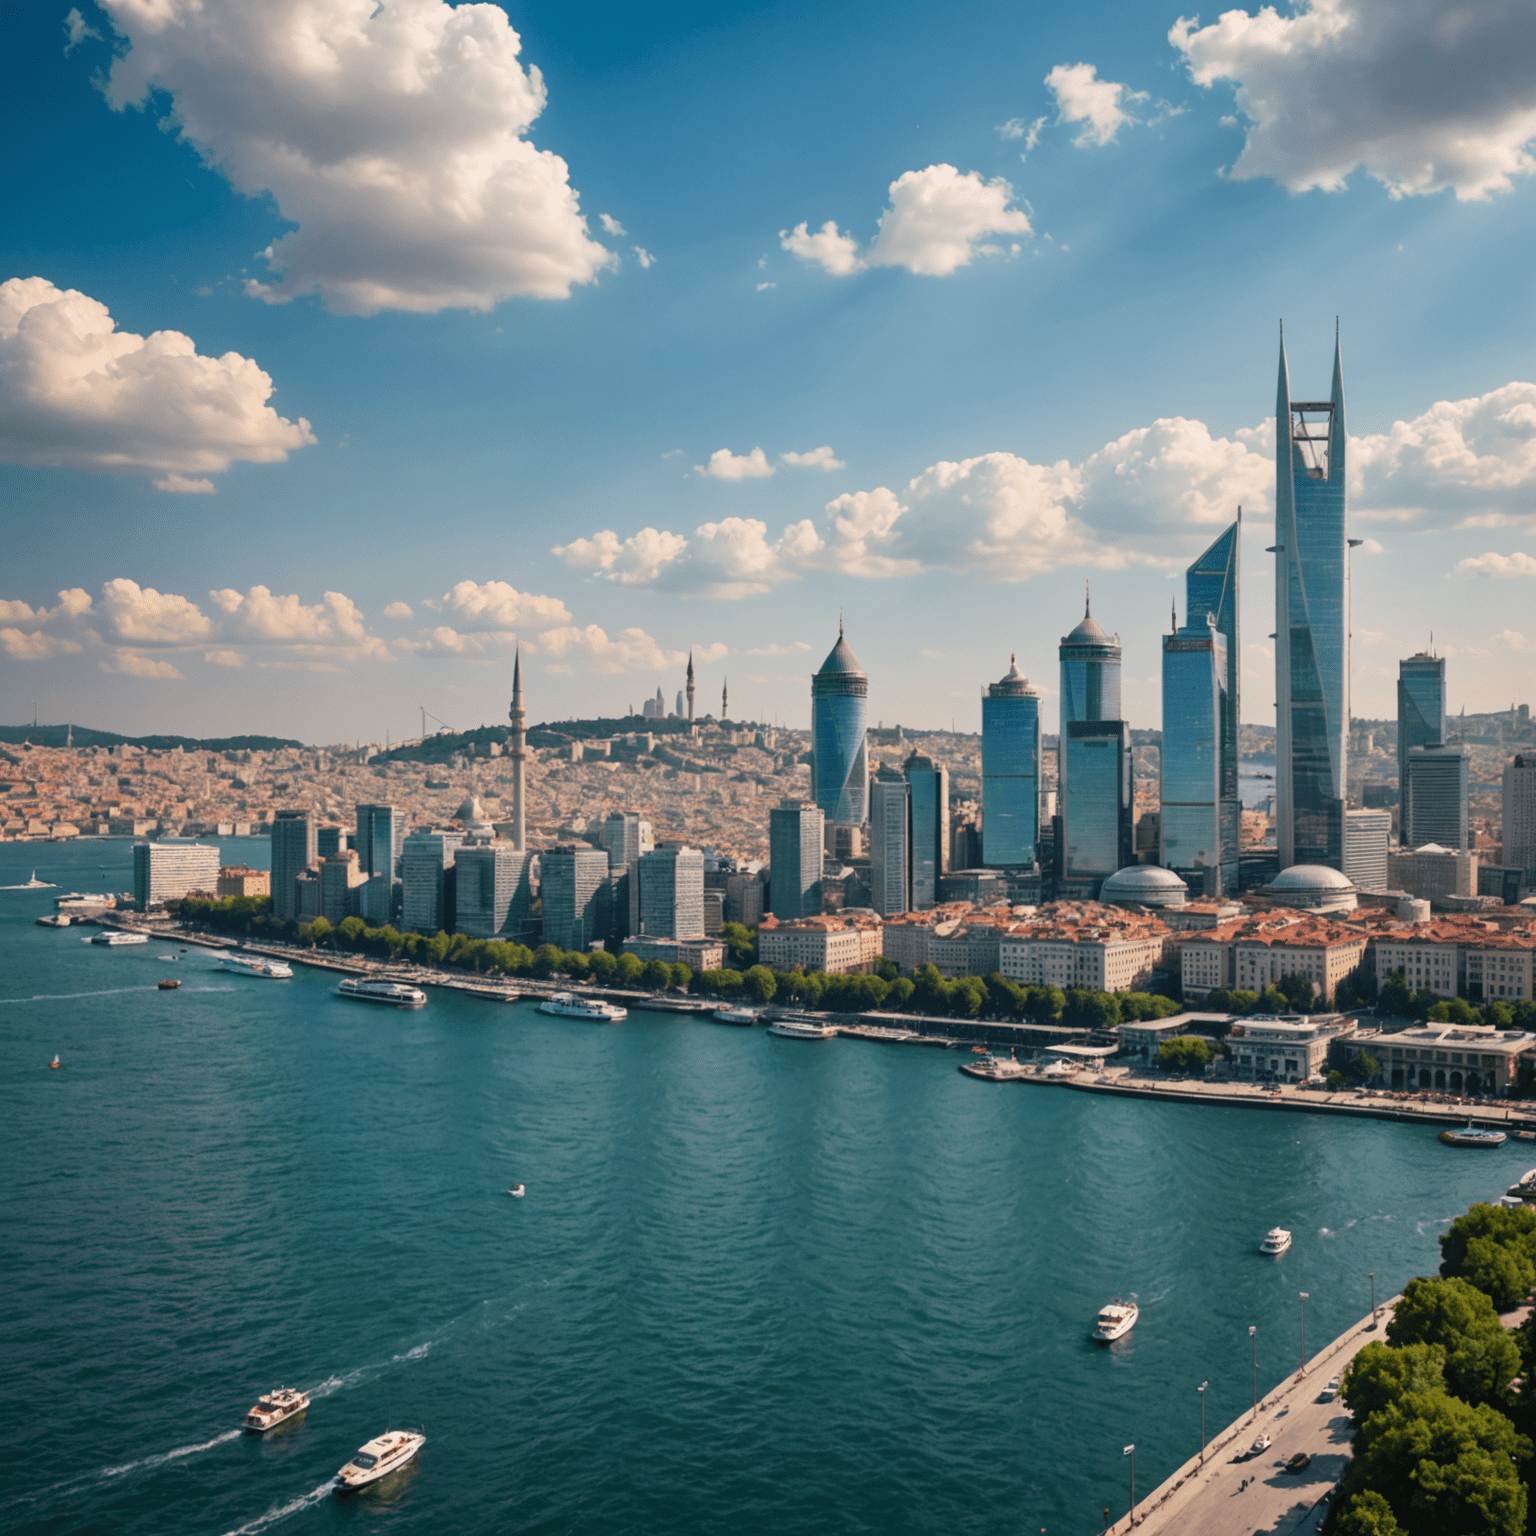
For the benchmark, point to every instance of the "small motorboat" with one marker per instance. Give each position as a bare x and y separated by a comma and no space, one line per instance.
517,1191
1525,1135
274,1408
55,1064
1259,1446
1276,1241
741,1017
379,1457
1115,1320
169,984
1471,1135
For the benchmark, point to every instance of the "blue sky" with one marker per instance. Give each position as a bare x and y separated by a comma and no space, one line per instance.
1037,345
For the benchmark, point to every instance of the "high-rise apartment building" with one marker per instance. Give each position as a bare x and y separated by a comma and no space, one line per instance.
1311,623
427,896
380,832
928,859
1420,710
839,719
293,851
795,833
340,876
1520,816
1212,586
1010,772
569,879
1434,797
168,871
491,890
1094,762
1195,711
1367,838
672,892
621,837
890,842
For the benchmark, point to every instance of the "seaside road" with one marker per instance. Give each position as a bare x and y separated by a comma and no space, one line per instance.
1237,1494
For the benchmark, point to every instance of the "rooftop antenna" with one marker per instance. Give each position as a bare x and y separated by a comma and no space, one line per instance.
1173,613
1087,600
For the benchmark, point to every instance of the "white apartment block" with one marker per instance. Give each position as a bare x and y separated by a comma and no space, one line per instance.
827,944
1099,960
168,871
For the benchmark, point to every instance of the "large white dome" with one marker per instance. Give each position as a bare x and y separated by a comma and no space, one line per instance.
1313,887
1146,885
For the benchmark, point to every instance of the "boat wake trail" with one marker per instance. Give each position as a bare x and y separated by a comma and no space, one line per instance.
67,997
282,1511
165,1456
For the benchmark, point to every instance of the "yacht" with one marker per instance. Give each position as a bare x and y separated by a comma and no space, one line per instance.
274,1408
1115,1320
382,1455
995,1069
793,1028
394,994
1276,1241
255,965
567,1005
1471,1135
55,920
739,1016
113,938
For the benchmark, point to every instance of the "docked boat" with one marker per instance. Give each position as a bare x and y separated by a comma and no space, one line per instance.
1115,1321
567,1005
394,994
801,1029
737,1016
1519,1135
382,1455
1471,1135
1059,1071
1259,1446
1276,1241
55,920
115,938
995,1069
274,1408
256,965
169,984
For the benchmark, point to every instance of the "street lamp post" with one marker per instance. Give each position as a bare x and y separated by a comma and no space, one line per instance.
1252,1331
1303,1333
1373,1298
1130,1451
1201,1390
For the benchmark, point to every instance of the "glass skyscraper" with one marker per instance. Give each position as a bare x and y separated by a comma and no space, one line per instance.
1094,763
380,832
1311,623
1420,711
293,851
890,842
570,878
794,859
1195,715
929,782
839,715
1010,772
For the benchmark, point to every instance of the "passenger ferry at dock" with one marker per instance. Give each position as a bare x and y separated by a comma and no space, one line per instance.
799,1027
394,994
256,965
382,1455
995,1069
738,1016
1471,1135
567,1005
115,938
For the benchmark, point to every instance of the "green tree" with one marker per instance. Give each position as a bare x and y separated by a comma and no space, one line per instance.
932,991
1495,1250
740,945
656,976
1455,1010
1242,1001
759,984
1481,1359
968,997
574,963
604,967
1395,997
887,969
1379,1375
1361,1068
1273,1000
680,976
631,970
900,995
351,931
1299,993
1184,1053
1366,1514
546,960
1090,1010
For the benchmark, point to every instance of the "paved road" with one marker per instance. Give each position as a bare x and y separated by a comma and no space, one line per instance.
1237,1494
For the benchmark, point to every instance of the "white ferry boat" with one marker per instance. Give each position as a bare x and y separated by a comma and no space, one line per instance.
382,1455
394,994
740,1016
115,938
256,965
1115,1320
793,1028
274,1408
567,1005
1473,1136
995,1069
1276,1241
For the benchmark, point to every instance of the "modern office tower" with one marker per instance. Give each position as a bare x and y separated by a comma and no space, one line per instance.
168,871
329,840
427,865
519,718
890,842
569,879
1434,805
1311,623
690,685
340,875
621,837
1010,772
293,851
1094,761
795,832
376,900
491,890
1520,816
928,861
1420,711
1195,714
306,895
839,710
744,898
380,831
672,892
1212,586
1367,836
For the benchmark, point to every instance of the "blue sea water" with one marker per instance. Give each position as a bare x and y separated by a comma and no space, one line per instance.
755,1284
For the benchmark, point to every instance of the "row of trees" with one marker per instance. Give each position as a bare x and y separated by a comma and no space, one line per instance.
1443,1435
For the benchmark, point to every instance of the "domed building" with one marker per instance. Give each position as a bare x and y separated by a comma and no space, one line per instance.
1312,888
1144,885
476,824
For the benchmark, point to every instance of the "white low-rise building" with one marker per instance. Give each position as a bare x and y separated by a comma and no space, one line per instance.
1286,1048
834,944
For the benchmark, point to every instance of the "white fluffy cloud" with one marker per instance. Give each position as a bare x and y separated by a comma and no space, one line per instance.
632,562
725,465
937,222
132,664
145,615
1425,94
34,645
77,392
399,611
589,649
817,458
1099,105
1517,564
392,135
496,605
262,617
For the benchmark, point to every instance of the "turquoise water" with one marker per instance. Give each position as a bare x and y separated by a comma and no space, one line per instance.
755,1283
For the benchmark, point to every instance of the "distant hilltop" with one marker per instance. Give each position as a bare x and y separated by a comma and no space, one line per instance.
446,745
84,736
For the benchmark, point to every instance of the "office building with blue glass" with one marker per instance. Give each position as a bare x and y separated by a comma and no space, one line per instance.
1094,769
795,832
929,862
890,842
1010,772
1420,711
839,718
1311,552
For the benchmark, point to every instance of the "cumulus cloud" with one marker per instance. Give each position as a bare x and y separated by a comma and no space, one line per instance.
725,465
392,135
817,458
611,226
1513,640
143,614
445,641
263,617
76,392
936,223
1517,564
1425,94
489,605
34,645
132,664
589,649
224,658
632,562
186,485
644,257
399,611
77,29
1099,105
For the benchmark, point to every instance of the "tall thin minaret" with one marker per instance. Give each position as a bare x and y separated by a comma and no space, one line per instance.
690,685
725,699
519,717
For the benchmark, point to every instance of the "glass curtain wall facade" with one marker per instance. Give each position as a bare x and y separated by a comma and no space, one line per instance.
839,720
1195,718
672,892
1434,804
1311,623
1010,773
569,879
890,843
1420,711
1094,763
427,861
380,832
929,782
1212,585
795,832
293,851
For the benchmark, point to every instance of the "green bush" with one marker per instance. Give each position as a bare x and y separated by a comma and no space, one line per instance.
1481,1359
1495,1250
1379,1375
1184,1053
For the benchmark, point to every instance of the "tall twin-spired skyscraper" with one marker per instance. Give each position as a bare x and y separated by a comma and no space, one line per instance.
1311,623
